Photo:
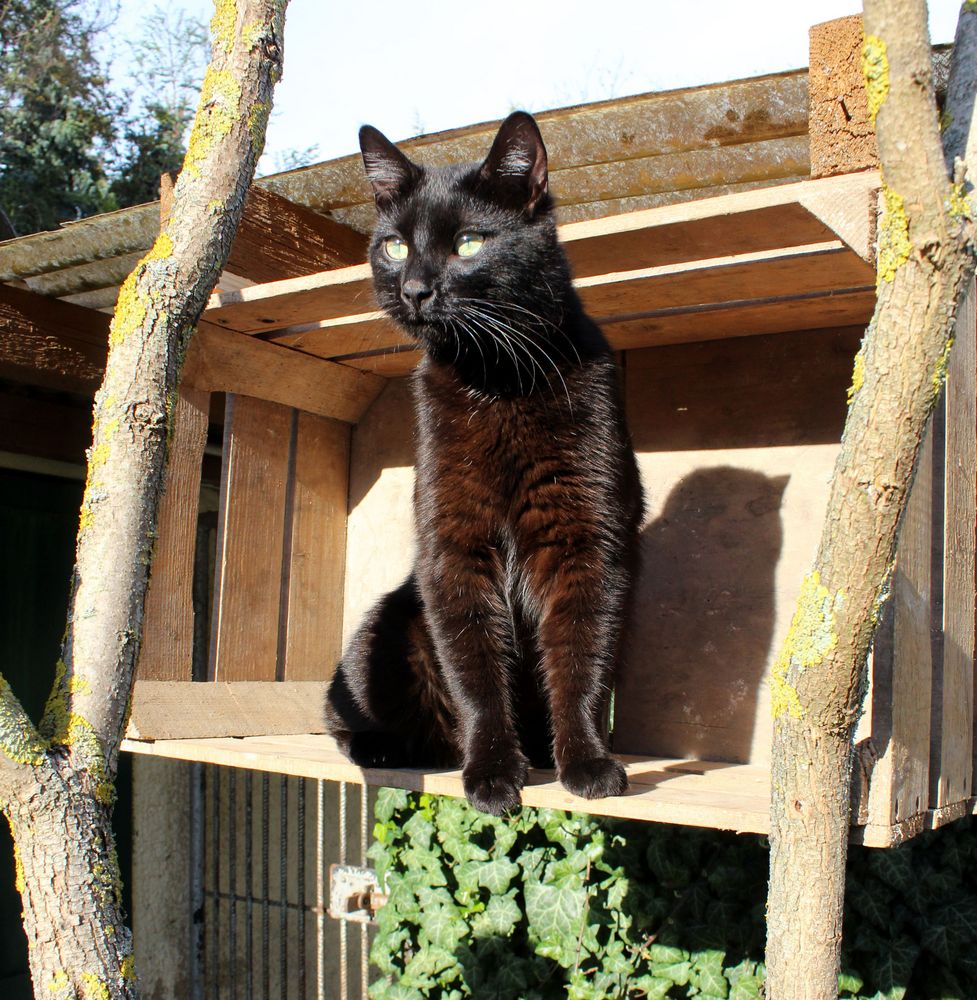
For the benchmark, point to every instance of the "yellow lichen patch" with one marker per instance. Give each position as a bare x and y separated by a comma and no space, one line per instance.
258,123
19,741
811,638
939,369
59,982
19,884
251,34
215,205
222,23
95,988
160,250
127,968
857,375
220,98
875,68
894,245
969,7
130,309
959,205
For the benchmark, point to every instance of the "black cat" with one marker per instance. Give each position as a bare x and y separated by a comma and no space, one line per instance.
501,647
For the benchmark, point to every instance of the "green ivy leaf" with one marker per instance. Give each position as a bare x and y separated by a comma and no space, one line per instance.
652,987
707,974
850,983
747,988
443,927
555,915
389,801
497,875
499,918
677,972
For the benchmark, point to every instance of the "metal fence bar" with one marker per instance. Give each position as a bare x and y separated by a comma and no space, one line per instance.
249,883
215,804
343,936
265,915
320,895
197,876
364,928
232,962
283,890
300,876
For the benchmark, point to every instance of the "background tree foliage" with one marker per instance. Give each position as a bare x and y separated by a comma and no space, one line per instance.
72,143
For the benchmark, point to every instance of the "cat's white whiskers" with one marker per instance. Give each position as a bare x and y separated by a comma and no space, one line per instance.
481,323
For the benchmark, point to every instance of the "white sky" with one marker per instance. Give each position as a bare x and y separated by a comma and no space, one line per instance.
423,67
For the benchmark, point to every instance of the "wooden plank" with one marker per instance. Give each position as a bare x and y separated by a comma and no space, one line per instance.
662,790
316,553
957,737
902,676
169,710
395,365
246,366
50,343
380,527
677,325
244,635
278,238
167,643
769,218
332,338
842,137
659,125
742,319
797,271
279,304
668,246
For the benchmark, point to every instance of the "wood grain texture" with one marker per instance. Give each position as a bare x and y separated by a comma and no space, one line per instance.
278,238
763,223
49,343
842,138
956,758
899,697
246,366
661,790
168,710
316,549
663,125
167,646
247,601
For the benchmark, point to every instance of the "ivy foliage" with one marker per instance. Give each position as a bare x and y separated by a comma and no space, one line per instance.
547,904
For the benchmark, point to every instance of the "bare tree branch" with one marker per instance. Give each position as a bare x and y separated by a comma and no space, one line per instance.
926,248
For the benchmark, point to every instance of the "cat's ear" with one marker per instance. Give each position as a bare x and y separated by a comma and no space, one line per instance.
516,163
390,173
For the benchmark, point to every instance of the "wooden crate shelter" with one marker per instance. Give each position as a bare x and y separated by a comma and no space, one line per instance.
738,318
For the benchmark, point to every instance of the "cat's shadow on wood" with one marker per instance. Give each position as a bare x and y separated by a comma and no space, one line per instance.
705,609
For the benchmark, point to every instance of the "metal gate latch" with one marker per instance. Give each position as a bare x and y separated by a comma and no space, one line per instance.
354,894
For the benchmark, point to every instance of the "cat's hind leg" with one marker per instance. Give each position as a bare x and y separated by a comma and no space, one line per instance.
386,705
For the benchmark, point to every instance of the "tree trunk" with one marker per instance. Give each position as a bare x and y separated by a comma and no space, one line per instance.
56,782
926,246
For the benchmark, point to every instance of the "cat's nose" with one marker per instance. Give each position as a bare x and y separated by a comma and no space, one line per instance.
417,294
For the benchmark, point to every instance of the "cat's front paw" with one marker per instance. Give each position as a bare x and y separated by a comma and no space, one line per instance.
594,778
373,749
494,787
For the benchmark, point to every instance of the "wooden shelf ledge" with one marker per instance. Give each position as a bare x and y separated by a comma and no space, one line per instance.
691,793
786,250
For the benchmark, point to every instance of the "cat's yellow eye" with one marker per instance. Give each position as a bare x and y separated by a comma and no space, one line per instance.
468,244
395,248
